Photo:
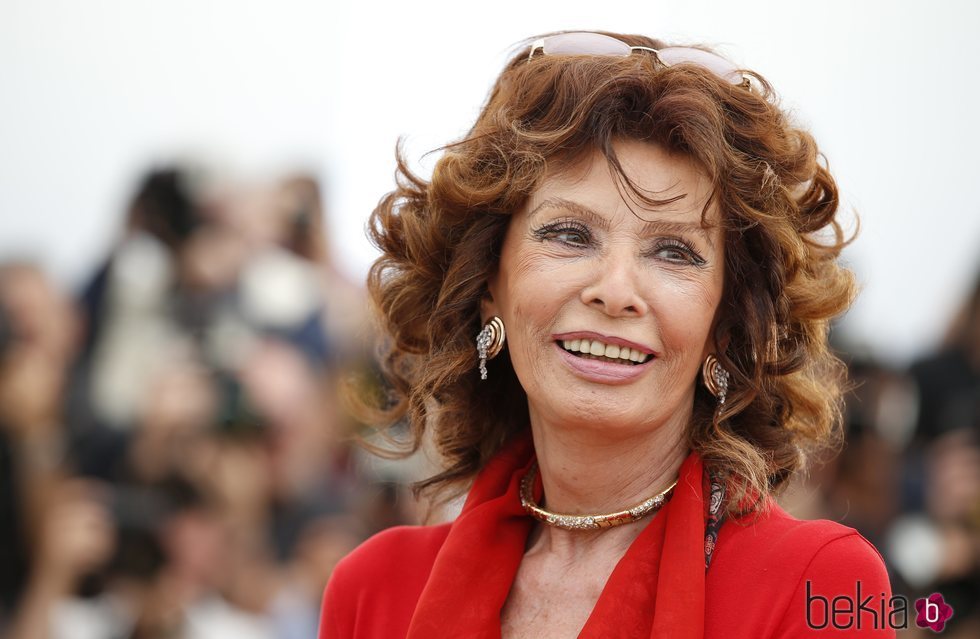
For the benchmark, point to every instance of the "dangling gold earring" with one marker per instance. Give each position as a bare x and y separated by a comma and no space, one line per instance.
716,378
489,342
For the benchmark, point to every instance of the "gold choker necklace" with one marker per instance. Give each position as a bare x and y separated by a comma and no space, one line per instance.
589,522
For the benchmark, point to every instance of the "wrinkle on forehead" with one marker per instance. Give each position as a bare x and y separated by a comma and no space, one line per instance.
640,195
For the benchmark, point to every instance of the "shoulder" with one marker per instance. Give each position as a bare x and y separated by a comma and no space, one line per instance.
779,565
781,537
378,584
775,543
398,548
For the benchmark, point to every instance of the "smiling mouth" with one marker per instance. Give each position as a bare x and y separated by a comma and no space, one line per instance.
594,349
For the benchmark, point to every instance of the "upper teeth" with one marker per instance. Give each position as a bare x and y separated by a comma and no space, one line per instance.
596,347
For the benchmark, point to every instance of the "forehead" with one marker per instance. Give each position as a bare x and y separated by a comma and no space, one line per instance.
661,185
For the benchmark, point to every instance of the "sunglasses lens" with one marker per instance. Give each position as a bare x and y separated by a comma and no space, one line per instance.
714,63
582,43
585,43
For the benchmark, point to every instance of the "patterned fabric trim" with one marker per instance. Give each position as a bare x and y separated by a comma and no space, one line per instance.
715,516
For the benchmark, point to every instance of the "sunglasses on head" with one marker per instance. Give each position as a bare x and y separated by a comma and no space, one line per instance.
586,43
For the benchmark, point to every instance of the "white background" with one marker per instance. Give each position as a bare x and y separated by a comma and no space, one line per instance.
92,93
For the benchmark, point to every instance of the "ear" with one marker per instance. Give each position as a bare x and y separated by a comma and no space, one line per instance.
488,307
722,342
719,338
488,302
717,342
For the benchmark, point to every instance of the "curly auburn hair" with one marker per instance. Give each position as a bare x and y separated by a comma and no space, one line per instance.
440,242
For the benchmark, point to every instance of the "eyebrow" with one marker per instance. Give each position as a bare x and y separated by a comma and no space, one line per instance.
651,227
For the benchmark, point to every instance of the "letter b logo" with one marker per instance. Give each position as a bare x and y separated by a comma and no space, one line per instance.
932,612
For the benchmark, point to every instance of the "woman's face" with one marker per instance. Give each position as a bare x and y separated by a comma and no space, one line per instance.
579,271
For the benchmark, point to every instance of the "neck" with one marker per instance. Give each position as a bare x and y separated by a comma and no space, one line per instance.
586,473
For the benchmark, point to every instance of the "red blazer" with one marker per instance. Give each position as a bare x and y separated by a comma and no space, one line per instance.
771,577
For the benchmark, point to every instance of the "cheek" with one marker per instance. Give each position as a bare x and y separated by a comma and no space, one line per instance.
532,295
687,309
528,329
532,305
533,285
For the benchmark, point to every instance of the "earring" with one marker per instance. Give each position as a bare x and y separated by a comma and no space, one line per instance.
716,378
489,342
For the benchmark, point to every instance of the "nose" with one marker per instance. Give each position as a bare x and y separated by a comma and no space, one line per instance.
616,287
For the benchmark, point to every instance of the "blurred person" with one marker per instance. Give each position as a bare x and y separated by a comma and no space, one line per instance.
206,357
291,284
860,485
39,315
608,309
175,571
321,543
163,214
132,318
188,280
179,408
258,447
75,537
38,337
346,318
184,597
301,426
949,380
12,547
81,552
41,338
938,543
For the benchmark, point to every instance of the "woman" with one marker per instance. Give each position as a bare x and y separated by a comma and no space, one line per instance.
636,237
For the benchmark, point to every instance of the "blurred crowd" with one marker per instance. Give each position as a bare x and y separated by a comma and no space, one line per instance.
176,461
908,474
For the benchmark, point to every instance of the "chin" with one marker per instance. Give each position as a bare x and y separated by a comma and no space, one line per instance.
596,417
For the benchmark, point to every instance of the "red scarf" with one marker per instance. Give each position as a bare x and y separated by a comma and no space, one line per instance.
656,589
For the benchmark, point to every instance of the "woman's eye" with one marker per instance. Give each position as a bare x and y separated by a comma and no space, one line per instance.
679,254
571,235
674,255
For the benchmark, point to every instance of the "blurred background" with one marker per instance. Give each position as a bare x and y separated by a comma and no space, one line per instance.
183,192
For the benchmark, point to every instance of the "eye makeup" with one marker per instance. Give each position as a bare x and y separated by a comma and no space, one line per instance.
689,254
576,234
563,230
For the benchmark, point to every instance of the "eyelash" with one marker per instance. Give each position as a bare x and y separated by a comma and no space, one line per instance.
553,230
673,244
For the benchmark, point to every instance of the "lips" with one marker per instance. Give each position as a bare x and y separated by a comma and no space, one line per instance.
589,345
601,369
607,366
599,350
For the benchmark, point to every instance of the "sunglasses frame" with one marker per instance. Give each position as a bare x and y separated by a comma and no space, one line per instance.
540,44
